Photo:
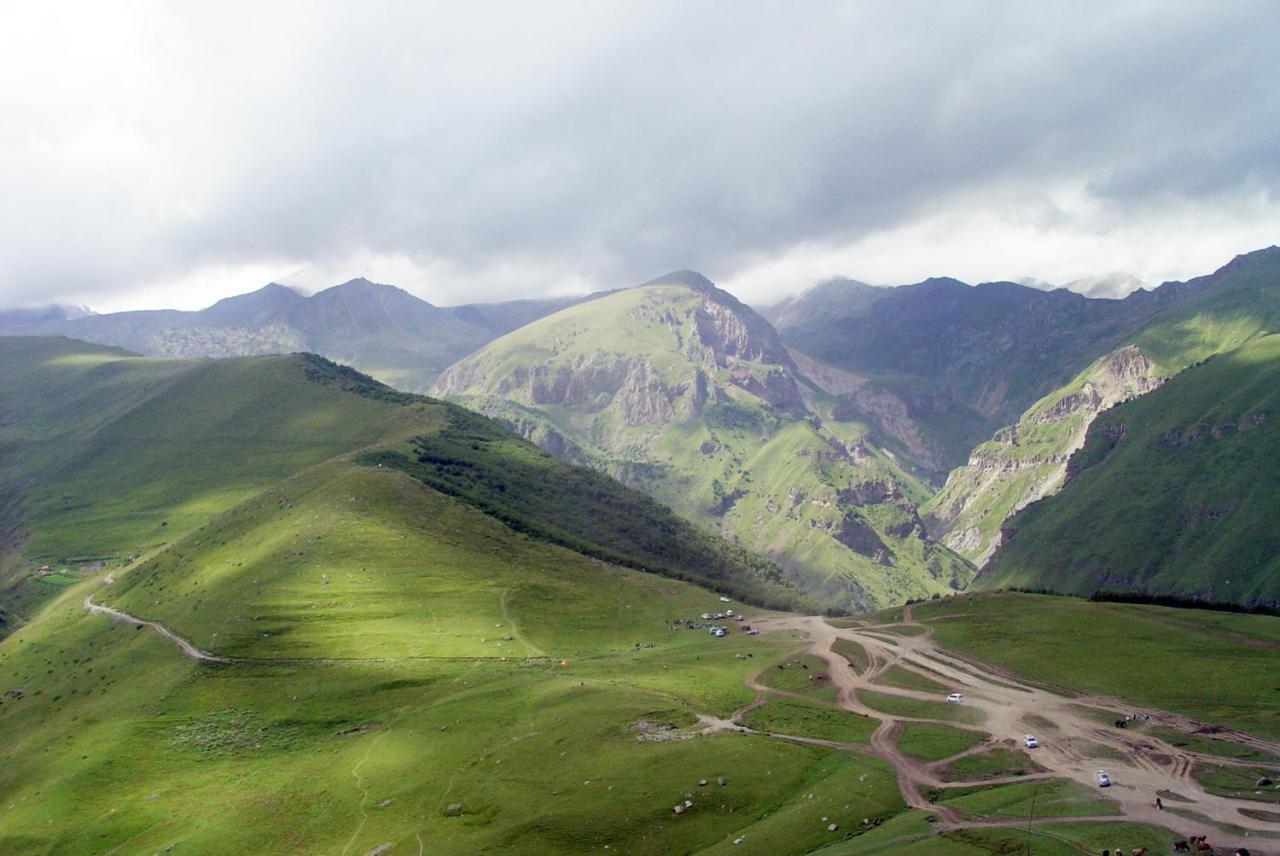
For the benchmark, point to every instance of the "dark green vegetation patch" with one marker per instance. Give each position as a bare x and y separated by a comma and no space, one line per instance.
473,459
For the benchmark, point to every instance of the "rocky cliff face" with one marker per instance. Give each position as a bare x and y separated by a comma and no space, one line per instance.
682,391
1028,461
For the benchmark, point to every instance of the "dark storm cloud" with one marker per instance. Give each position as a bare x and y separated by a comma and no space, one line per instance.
599,141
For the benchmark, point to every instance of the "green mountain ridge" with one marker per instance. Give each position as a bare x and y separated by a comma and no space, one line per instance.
1028,460
401,668
121,481
681,390
1173,493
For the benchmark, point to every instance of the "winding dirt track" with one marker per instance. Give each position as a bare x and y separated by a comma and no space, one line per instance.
1140,765
185,645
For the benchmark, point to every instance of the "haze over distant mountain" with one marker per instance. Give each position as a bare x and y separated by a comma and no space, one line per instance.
678,388
963,359
1115,285
381,329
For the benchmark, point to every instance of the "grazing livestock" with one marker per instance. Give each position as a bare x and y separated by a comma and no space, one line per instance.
1181,846
1138,851
1203,846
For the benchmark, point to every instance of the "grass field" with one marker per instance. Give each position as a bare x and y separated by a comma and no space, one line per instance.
897,676
804,674
1213,666
409,602
910,707
997,762
854,653
930,742
1053,798
785,715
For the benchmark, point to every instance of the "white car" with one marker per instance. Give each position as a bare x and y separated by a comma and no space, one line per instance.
1104,781
955,697
1031,741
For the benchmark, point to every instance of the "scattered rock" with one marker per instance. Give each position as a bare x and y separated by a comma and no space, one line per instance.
388,801
1264,782
453,810
722,781
679,809
702,783
380,849
832,827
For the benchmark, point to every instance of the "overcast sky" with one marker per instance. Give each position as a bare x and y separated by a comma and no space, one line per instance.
169,154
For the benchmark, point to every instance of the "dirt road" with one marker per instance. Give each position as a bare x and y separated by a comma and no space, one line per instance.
1074,733
185,645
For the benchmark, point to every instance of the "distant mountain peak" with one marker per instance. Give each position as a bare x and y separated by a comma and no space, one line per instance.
1266,255
689,278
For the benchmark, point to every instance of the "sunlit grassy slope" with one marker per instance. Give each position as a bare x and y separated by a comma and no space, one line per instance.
1176,492
110,455
455,661
1218,667
411,672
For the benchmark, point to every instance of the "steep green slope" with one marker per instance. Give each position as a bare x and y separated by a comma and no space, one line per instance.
107,455
1027,461
141,450
400,654
406,671
680,390
1176,492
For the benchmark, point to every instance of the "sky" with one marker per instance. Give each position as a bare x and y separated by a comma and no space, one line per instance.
167,155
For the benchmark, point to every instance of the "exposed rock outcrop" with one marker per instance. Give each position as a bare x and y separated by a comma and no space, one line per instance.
1028,461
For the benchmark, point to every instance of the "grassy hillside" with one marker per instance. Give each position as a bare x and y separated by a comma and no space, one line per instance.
139,451
403,653
1173,493
1216,667
1027,460
680,390
412,671
110,455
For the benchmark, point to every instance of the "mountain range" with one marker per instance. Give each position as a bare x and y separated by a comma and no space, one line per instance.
874,442
395,336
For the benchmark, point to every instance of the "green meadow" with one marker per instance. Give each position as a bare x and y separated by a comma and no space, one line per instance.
1209,665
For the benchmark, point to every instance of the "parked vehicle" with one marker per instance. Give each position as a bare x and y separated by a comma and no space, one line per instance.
1031,741
1104,781
955,697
